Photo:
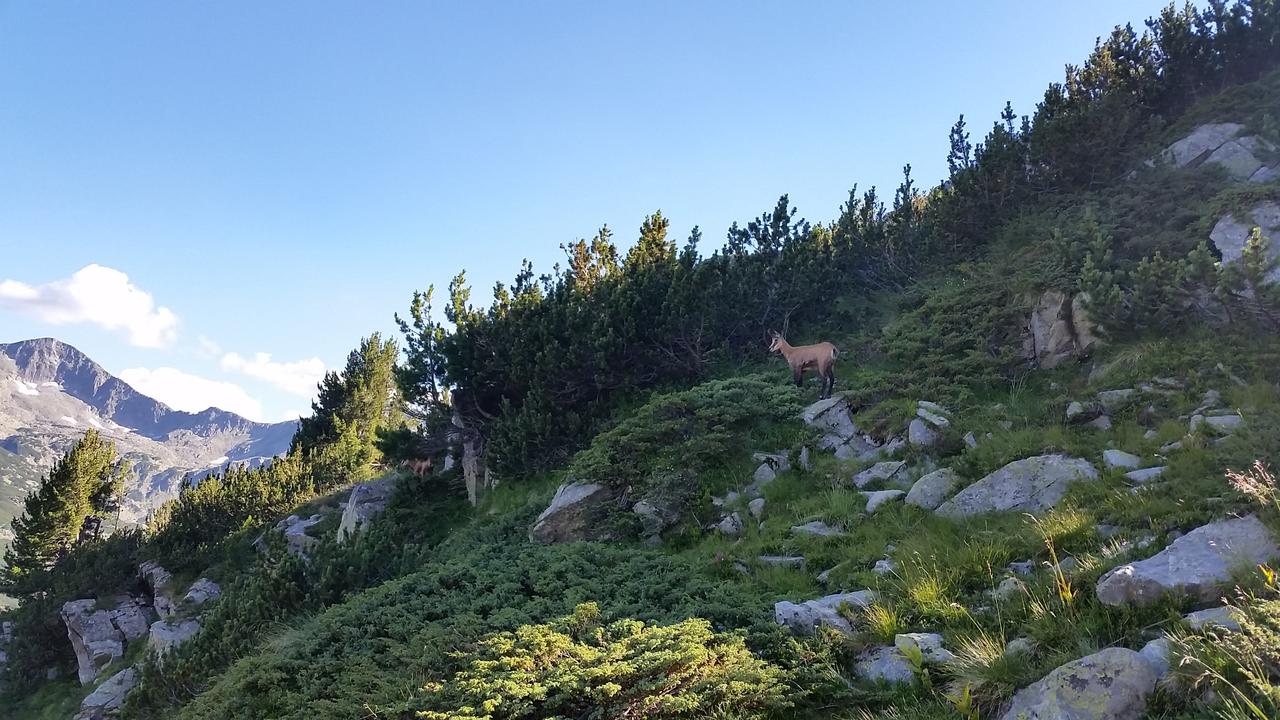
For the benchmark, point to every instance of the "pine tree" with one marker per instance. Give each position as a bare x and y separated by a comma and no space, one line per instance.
85,481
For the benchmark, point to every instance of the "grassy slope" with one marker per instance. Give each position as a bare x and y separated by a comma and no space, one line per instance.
369,653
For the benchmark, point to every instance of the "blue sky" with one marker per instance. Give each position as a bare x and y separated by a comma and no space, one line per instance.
254,186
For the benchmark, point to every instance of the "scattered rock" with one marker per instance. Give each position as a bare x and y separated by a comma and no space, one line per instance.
1156,653
1009,588
929,644
1019,646
1229,235
367,501
883,567
932,416
824,577
730,525
878,498
777,460
1032,484
1110,685
787,561
1058,328
764,474
832,415
1150,435
202,591
168,634
1102,422
884,664
804,618
1065,565
575,513
931,490
1106,531
933,407
1224,616
1079,413
970,440
1223,424
921,435
1170,447
1120,459
805,463
157,579
880,472
1145,475
756,508
1198,564
1113,400
296,539
655,518
1025,567
816,528
99,636
107,698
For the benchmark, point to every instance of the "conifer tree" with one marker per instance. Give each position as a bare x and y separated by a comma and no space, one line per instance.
86,480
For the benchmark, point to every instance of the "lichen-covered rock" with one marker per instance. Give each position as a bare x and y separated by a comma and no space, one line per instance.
1113,458
577,512
1031,485
816,528
932,490
99,636
879,498
884,664
168,634
880,472
1230,234
107,698
1198,564
833,416
367,501
804,618
1058,328
202,591
1156,653
1110,685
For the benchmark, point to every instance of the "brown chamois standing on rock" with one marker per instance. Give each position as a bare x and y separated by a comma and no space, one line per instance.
821,357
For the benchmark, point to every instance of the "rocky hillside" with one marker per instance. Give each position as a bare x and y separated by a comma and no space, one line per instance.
50,393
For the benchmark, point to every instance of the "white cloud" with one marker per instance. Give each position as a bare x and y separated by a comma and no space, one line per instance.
208,347
298,378
99,295
183,391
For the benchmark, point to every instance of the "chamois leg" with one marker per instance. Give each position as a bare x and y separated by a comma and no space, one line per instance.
829,383
798,376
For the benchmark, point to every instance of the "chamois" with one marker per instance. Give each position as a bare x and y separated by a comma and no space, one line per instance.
821,357
418,466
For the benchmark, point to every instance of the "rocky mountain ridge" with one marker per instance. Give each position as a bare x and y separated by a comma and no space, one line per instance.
51,393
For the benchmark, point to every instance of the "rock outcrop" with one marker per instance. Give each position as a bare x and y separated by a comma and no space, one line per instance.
1031,485
1058,328
805,617
1110,685
576,512
167,634
157,580
367,501
202,591
1230,234
99,636
884,664
1198,564
107,698
1223,145
932,490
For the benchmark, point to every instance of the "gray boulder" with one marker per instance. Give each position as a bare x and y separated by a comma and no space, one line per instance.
1199,564
99,636
1058,328
168,634
1156,653
1031,485
1113,400
367,501
655,518
107,698
202,591
1113,684
1102,422
1224,616
1144,475
817,528
296,539
157,580
880,472
832,416
1113,458
932,489
786,561
879,498
804,618
730,525
1230,234
921,434
575,513
756,508
1195,148
929,645
1224,424
884,664
1239,157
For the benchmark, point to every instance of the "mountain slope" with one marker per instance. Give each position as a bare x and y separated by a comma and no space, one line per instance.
50,393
